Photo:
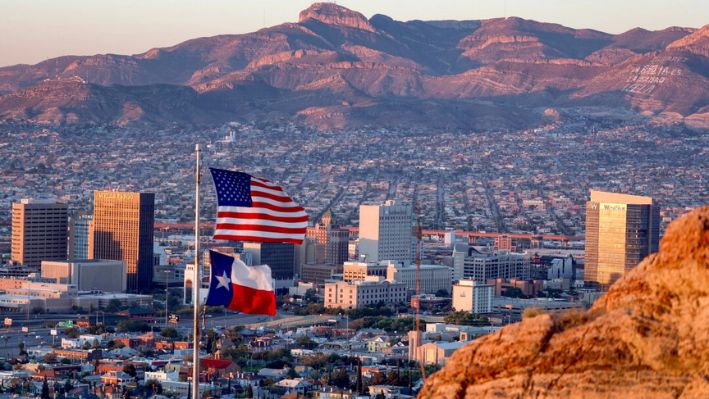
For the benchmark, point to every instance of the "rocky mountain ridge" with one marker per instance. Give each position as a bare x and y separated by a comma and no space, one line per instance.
335,68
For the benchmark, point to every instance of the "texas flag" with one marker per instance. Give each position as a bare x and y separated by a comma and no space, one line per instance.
236,286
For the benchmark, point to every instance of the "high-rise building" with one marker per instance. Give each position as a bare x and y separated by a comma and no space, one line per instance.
338,247
280,257
473,296
385,232
39,232
328,244
81,236
621,230
123,230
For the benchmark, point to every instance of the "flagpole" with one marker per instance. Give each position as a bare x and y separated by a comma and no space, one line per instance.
196,283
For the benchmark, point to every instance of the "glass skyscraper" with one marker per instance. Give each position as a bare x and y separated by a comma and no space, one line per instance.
80,234
123,230
621,230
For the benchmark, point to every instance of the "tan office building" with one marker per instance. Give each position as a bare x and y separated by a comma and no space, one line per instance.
39,232
88,275
363,293
621,230
123,230
358,271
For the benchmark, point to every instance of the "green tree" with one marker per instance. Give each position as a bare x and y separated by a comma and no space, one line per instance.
114,305
305,342
169,332
67,386
45,389
130,370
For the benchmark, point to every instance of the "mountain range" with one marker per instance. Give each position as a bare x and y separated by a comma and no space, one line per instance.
335,69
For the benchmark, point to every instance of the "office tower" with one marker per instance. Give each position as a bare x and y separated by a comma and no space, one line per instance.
621,230
329,244
81,236
317,237
473,296
338,247
280,257
39,232
123,230
385,232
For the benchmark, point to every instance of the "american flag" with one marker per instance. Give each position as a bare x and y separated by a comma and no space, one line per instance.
254,209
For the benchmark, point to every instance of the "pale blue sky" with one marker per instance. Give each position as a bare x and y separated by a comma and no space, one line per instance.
34,30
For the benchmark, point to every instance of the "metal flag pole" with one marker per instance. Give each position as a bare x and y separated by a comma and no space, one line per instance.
196,283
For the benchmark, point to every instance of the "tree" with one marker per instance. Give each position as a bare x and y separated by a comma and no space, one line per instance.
310,296
305,342
130,370
169,332
442,293
45,389
114,305
292,373
50,358
67,386
340,379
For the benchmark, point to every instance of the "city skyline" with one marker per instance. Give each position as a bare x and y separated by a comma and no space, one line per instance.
82,27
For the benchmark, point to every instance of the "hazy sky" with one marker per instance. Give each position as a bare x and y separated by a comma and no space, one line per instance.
34,30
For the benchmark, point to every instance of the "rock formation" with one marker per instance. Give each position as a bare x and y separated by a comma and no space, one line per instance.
648,337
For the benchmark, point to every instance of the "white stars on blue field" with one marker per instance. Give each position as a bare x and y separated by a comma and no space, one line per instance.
233,188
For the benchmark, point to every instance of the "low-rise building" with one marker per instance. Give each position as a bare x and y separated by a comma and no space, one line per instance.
433,278
437,352
374,290
482,265
317,273
88,274
358,271
514,307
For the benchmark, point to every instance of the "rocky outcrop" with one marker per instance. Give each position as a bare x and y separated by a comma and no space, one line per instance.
332,14
648,337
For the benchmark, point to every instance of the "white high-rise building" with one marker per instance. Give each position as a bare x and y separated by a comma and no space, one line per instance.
385,232
472,296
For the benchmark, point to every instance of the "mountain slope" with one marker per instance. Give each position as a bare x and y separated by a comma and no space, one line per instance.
648,337
337,64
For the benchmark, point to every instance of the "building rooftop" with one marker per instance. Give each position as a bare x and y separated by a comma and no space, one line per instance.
603,196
